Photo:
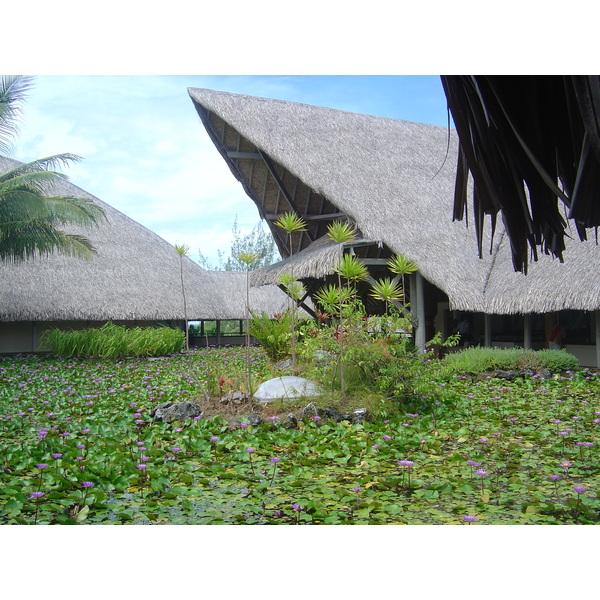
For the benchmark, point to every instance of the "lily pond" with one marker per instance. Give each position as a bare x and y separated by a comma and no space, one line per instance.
79,446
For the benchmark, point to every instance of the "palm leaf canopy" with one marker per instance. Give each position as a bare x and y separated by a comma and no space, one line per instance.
530,143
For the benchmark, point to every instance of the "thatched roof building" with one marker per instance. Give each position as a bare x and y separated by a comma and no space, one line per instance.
134,277
395,180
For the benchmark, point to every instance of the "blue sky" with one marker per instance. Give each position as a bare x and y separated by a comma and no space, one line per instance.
146,153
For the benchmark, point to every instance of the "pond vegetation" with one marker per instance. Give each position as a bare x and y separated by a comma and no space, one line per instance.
78,445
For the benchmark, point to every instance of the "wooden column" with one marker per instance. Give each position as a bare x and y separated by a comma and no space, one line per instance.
417,307
527,333
597,327
487,330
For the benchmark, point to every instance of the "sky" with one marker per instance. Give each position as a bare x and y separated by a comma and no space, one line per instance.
146,153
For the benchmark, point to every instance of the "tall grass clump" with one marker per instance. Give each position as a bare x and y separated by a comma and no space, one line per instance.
114,341
557,361
480,359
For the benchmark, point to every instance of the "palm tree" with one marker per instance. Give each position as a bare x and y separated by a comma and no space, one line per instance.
248,259
183,250
29,212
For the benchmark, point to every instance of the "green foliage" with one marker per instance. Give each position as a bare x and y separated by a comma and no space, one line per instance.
351,268
341,232
401,265
557,361
114,341
291,222
479,359
274,334
29,217
419,466
387,290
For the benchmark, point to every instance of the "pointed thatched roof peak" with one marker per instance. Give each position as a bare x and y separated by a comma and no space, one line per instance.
395,180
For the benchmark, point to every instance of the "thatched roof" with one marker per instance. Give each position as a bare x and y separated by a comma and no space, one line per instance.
232,288
395,180
316,261
135,276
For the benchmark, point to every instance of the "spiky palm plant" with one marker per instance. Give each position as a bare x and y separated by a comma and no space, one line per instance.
387,290
400,265
292,223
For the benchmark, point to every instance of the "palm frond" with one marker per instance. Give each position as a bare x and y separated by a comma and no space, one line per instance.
13,90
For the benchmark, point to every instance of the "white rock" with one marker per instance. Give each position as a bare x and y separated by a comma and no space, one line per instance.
287,388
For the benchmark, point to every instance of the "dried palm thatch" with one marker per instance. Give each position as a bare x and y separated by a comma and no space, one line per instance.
135,276
528,142
232,288
395,180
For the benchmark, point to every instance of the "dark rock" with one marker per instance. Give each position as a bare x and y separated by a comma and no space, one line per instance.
234,398
336,415
359,415
175,411
508,375
284,365
292,422
311,410
254,419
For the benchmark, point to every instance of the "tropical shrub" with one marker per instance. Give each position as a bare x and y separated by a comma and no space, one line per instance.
114,341
274,334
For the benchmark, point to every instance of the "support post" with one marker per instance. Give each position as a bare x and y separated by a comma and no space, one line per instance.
418,298
527,333
487,330
597,319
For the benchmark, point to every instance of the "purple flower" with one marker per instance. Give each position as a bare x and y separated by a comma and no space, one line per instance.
37,494
87,484
250,450
140,467
357,489
85,430
406,463
243,425
41,466
275,459
81,446
57,455
79,458
579,489
139,443
296,507
175,449
469,518
483,440
565,464
214,438
387,438
178,430
554,477
316,418
481,472
374,446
